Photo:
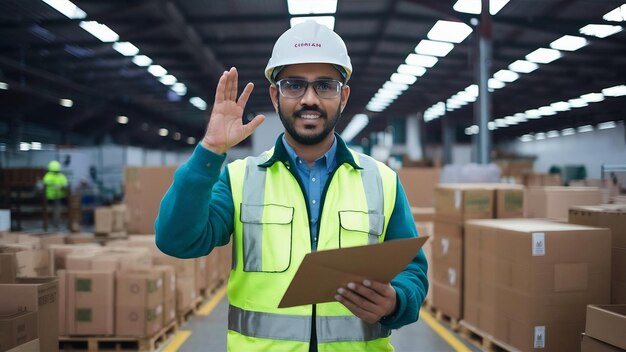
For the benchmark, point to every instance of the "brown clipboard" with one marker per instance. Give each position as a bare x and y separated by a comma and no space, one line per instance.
321,273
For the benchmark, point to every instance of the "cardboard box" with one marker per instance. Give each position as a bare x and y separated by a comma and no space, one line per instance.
554,202
169,311
589,344
201,275
139,303
185,268
509,201
185,294
8,268
119,218
458,202
90,303
23,262
35,295
30,346
62,299
144,187
168,275
528,281
81,238
446,266
610,216
59,253
607,323
17,329
213,270
419,184
542,179
618,292
103,220
47,240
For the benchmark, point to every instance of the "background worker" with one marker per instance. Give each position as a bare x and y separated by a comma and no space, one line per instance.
310,192
55,184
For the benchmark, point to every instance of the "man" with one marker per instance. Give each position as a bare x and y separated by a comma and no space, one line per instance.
310,192
55,183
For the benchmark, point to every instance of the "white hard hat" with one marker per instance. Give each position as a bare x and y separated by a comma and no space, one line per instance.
309,42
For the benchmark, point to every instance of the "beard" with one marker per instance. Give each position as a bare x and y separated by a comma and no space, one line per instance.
328,127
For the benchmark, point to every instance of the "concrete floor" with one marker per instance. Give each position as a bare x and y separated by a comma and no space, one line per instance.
209,334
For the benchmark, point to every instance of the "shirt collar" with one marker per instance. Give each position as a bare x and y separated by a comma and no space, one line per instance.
328,157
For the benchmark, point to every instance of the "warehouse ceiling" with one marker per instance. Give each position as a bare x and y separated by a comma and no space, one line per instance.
48,61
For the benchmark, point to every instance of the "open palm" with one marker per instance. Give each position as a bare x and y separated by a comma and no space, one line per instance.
225,128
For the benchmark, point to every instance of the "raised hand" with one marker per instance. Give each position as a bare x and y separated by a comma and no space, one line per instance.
225,128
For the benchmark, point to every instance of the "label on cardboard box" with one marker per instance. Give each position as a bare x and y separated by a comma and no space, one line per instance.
457,199
540,337
445,244
539,244
452,276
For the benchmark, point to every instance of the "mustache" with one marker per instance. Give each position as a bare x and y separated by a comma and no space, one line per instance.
314,108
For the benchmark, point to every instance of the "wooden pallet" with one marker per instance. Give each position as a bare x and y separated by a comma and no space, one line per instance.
185,315
113,343
443,318
482,340
208,293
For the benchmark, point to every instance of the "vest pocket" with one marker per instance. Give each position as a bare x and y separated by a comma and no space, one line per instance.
267,237
359,228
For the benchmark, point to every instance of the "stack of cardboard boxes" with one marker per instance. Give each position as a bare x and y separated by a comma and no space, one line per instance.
604,331
424,218
554,202
144,188
111,221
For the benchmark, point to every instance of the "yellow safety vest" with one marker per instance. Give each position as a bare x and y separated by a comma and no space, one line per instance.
55,182
271,236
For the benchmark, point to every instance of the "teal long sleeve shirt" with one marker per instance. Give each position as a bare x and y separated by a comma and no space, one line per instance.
196,215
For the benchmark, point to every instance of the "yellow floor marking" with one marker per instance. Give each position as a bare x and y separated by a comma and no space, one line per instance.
179,338
208,307
446,335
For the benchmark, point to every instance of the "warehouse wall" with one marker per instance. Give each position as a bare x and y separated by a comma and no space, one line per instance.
265,135
591,149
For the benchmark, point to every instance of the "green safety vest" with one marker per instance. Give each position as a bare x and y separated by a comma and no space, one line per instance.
271,236
55,183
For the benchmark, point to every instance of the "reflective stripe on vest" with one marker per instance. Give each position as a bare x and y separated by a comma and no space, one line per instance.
252,208
298,328
373,186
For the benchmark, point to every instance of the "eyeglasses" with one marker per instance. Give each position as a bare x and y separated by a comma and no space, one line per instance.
296,88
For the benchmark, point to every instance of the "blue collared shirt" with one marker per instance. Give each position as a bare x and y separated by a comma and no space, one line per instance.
314,179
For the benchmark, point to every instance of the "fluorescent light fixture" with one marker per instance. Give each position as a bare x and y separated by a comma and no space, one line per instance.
523,66
492,126
24,146
382,100
67,8
568,132
198,102
402,78
606,125
569,43
616,91
532,114
577,103
401,87
100,31
474,6
511,120
421,60
472,90
501,123
163,132
429,47
465,96
547,111
126,48
468,131
191,140
305,7
592,97
506,76
328,21
561,106
157,70
520,117
68,103
552,134
540,136
416,71
493,83
526,138
168,80
122,119
4,85
142,60
617,15
385,93
179,88
448,31
35,145
356,125
374,108
585,128
600,30
543,56
177,136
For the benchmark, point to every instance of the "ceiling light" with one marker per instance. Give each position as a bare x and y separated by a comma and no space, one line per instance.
501,123
122,119
547,111
569,43
540,136
402,78
523,66
356,125
177,136
552,134
429,47
35,145
374,108
179,88
198,102
191,140
616,91
493,83
506,76
600,30
68,103
142,60
328,21
492,126
448,31
592,97
474,6
126,48
157,70
606,125
421,60
395,86
168,80
24,146
67,8
526,138
100,31
385,93
585,128
465,96
568,132
561,106
305,7
520,117
577,103
416,71
617,15
163,132
472,90
511,120
532,114
543,56
4,85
